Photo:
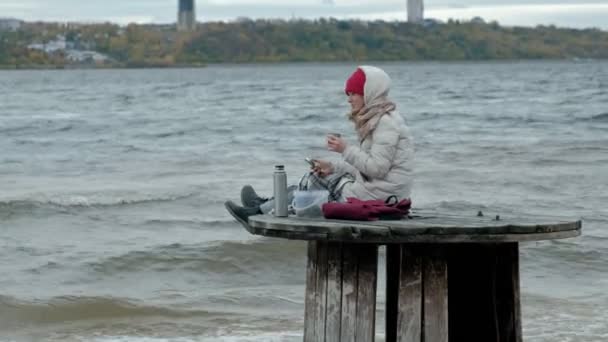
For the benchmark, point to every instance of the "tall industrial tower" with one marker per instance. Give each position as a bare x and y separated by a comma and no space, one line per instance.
186,16
415,11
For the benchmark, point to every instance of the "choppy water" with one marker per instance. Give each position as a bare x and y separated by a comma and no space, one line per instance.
112,182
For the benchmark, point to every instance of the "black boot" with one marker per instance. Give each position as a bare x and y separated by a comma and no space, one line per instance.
242,214
249,198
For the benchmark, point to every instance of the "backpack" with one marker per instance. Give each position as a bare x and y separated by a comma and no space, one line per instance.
369,210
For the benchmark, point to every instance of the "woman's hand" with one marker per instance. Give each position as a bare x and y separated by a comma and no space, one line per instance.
335,144
322,168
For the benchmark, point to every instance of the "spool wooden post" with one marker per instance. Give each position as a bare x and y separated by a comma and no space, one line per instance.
340,302
393,269
483,285
449,278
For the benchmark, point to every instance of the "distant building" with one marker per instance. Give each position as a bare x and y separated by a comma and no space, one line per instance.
10,24
415,11
59,44
76,56
186,16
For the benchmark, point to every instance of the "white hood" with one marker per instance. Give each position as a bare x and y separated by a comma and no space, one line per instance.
377,85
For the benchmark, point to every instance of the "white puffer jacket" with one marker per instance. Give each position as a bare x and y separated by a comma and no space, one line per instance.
383,163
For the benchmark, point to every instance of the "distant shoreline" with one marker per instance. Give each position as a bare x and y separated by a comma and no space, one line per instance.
195,66
92,67
109,46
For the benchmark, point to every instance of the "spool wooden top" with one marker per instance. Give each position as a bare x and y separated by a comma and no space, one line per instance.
424,227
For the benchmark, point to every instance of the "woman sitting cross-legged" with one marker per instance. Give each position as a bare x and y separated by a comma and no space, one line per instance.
381,165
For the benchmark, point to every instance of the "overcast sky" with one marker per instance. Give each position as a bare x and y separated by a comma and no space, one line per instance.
565,13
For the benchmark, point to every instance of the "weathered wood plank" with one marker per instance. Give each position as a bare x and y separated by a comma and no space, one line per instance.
349,293
273,233
435,293
311,289
447,225
409,327
507,293
446,230
422,238
393,268
366,293
490,217
320,307
378,233
304,224
436,225
478,238
334,292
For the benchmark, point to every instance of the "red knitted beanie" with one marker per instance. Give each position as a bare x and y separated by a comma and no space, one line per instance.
355,83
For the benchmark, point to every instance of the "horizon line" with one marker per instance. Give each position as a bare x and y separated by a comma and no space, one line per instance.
311,19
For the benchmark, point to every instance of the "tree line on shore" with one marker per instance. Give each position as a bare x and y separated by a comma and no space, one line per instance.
247,41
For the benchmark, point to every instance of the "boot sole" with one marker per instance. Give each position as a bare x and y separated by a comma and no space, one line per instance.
240,220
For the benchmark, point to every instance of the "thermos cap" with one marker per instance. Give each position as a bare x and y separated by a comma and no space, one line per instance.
279,167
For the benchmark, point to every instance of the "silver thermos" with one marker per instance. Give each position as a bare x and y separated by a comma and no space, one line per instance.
280,191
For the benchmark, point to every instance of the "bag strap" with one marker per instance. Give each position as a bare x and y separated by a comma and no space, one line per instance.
392,197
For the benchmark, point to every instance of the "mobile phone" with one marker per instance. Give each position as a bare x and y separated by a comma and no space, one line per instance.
310,161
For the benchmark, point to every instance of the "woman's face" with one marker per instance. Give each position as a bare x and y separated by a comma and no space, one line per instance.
356,102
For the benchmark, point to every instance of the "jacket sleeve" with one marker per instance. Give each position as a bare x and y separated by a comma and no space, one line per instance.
377,163
342,167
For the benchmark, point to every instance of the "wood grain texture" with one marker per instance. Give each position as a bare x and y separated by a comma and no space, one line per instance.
334,292
448,229
409,326
366,293
393,269
320,305
349,293
341,292
435,299
311,289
